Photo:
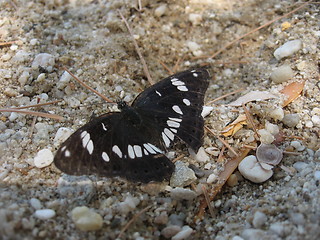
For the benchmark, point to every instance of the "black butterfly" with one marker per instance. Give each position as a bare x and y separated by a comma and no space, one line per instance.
131,143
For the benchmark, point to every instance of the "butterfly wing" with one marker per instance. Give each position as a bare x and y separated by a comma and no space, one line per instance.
173,106
109,146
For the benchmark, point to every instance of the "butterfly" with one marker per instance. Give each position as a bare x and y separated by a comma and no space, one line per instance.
132,143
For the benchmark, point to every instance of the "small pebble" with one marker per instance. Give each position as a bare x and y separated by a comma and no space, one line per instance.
287,49
24,78
265,136
21,56
278,228
62,134
211,178
253,234
195,18
185,232
129,204
86,219
44,60
43,158
200,156
316,120
5,57
272,128
250,168
299,166
44,214
161,10
259,219
170,231
182,194
182,176
34,41
13,116
297,145
162,218
291,120
206,110
277,113
195,48
76,187
35,203
232,180
317,175
282,74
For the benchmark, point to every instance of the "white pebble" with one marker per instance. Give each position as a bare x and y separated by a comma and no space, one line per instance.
287,49
265,136
200,156
43,158
299,166
161,10
297,145
129,204
282,74
195,18
35,203
291,119
317,175
33,41
212,177
86,219
272,128
44,214
41,77
6,57
185,232
182,194
277,113
251,170
13,116
316,120
194,48
182,175
259,219
62,134
21,56
206,110
44,60
24,78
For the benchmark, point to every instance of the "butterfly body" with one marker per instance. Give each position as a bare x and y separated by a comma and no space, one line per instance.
131,143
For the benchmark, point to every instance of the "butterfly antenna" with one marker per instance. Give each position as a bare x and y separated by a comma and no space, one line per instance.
88,87
145,67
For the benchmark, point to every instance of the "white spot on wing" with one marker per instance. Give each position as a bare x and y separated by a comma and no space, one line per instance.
131,152
175,119
63,148
182,88
104,127
158,93
67,153
174,124
186,102
155,148
105,157
174,79
149,148
85,138
173,130
90,147
166,140
195,74
178,83
117,151
168,133
177,109
137,150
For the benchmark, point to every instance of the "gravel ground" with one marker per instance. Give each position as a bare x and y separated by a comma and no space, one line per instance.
37,201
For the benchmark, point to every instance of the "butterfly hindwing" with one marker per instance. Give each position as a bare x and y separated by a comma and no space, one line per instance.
110,146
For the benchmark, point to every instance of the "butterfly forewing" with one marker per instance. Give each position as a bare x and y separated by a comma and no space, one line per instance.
131,143
174,106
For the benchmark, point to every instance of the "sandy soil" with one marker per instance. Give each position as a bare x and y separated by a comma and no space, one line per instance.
89,38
